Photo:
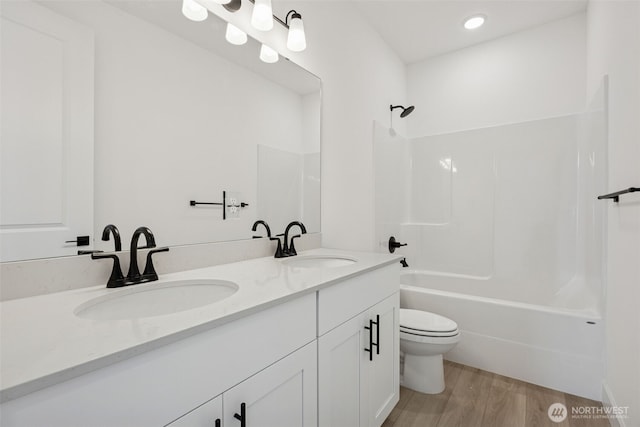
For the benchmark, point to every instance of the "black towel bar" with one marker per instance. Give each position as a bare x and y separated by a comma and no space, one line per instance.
616,196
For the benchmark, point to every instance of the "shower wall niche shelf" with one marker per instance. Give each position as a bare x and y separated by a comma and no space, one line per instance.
616,196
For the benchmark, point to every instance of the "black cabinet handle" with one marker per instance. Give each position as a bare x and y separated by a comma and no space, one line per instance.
243,415
376,344
370,349
218,423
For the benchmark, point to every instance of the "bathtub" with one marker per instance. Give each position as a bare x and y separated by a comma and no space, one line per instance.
554,345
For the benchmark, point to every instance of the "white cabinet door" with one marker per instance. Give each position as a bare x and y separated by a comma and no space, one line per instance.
358,387
46,132
284,394
383,376
207,415
341,358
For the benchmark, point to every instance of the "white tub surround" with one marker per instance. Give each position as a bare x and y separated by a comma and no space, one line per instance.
505,237
45,343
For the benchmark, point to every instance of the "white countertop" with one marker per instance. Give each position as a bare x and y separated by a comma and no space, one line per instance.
43,342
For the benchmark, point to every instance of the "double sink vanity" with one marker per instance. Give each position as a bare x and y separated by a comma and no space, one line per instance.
310,340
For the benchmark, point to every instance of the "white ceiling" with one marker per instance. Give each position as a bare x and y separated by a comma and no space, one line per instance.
419,29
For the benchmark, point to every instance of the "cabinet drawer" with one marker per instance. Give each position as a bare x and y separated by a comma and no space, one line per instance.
339,303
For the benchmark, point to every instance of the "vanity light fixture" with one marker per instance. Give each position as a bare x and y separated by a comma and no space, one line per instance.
296,40
262,15
235,35
261,18
473,22
194,11
268,55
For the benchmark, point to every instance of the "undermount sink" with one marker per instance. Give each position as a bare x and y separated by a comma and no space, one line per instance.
318,261
156,299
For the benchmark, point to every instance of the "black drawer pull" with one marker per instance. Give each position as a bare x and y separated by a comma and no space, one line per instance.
243,415
218,423
377,343
370,349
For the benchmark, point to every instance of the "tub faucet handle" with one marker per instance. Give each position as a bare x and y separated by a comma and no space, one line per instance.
393,244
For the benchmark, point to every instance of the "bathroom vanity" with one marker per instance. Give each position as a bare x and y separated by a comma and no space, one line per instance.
310,340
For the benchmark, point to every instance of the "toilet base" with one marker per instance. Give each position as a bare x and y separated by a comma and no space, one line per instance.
424,373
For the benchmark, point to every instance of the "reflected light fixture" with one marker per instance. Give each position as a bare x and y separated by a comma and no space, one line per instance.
296,40
194,11
473,22
235,35
262,15
268,55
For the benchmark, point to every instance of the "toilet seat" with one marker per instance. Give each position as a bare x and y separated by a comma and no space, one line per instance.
424,339
417,323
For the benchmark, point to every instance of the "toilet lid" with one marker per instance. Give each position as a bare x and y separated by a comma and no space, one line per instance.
418,321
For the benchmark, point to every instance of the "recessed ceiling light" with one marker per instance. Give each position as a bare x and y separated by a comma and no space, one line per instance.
474,22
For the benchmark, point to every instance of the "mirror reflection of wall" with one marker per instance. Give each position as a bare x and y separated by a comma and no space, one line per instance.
175,121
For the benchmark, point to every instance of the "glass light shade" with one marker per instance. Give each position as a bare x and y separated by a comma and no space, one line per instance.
235,35
296,40
262,15
268,55
222,1
194,11
474,22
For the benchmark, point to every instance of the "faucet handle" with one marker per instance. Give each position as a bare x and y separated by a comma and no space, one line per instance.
116,280
279,253
292,248
149,274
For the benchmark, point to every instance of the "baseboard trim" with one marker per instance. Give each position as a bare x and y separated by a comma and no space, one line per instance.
609,401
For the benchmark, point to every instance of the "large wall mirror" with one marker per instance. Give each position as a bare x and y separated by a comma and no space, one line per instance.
122,112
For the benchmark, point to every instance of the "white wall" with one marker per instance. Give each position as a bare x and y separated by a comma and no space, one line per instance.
533,74
614,49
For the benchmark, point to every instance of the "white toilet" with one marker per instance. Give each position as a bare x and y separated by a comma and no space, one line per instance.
424,338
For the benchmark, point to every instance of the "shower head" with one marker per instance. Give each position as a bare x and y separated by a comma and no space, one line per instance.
405,111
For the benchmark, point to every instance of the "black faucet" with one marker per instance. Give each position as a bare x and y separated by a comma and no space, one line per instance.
116,279
149,274
266,226
290,249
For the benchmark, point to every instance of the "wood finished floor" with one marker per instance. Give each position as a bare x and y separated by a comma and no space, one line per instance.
476,398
